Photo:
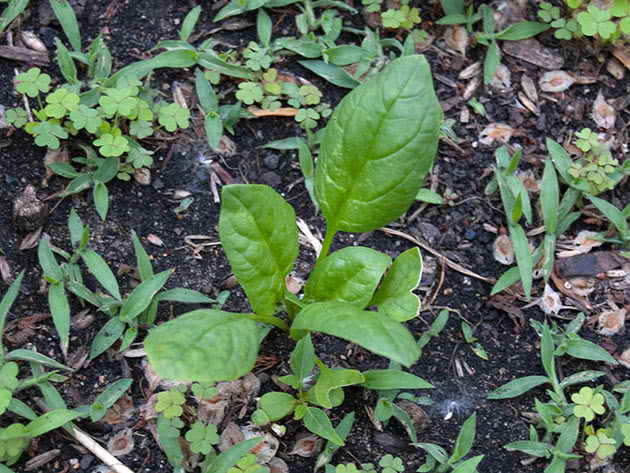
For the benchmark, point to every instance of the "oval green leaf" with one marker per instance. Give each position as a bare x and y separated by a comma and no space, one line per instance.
373,331
378,146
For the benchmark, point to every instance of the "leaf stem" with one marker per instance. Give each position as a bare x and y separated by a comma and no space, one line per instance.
330,234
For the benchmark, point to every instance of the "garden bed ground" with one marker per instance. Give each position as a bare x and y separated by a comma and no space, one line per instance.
460,232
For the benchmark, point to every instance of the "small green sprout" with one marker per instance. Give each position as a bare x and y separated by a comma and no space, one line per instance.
312,95
587,404
391,464
140,129
372,6
170,403
601,444
404,18
32,82
270,82
596,22
202,437
587,139
307,118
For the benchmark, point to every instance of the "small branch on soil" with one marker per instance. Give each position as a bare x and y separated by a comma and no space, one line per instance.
449,263
110,460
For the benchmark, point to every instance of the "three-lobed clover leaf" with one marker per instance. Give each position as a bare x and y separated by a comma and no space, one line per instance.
15,438
249,92
587,404
85,117
202,437
595,21
173,115
307,118
47,134
8,376
347,468
110,144
16,116
172,426
61,102
140,129
391,464
206,390
141,111
372,6
170,403
587,139
257,57
312,95
5,400
625,431
248,464
32,82
270,82
119,101
548,12
601,444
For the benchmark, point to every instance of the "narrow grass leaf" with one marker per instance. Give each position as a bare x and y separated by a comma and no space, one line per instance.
612,213
7,302
66,64
141,296
511,276
50,421
60,310
469,466
536,449
491,63
318,422
586,350
523,257
228,458
108,398
393,379
435,451
144,262
188,25
11,11
205,92
107,336
181,294
47,260
68,21
30,355
101,199
264,27
517,387
522,30
406,421
549,198
101,271
581,377
547,353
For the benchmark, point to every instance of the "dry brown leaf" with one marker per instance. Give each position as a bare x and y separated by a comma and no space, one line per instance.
266,449
550,301
624,358
471,71
471,87
495,132
32,41
622,53
611,321
556,81
528,86
307,447
502,79
503,250
5,270
456,37
615,68
603,113
528,104
154,240
59,155
31,240
279,112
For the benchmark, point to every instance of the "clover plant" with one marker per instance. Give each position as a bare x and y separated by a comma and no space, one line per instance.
378,146
560,418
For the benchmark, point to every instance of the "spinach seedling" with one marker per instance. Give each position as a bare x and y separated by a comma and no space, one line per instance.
378,146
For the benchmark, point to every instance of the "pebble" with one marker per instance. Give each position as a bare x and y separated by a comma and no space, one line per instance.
86,461
271,161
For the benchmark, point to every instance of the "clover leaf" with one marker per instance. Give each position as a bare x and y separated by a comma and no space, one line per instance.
249,93
587,139
600,444
202,437
32,82
60,102
141,128
5,400
548,12
372,6
392,18
347,468
111,145
119,101
170,402
14,439
270,82
391,464
205,390
85,117
141,111
171,427
311,94
587,404
248,464
47,134
625,431
8,376
16,117
307,118
595,21
257,57
173,115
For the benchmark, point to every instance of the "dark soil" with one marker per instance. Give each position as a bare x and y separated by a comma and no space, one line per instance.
459,232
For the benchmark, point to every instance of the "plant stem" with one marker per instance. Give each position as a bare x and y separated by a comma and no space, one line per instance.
330,234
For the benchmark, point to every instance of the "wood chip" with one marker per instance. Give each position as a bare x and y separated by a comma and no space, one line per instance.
279,112
26,55
533,52
556,81
622,53
154,240
456,38
495,133
5,270
603,113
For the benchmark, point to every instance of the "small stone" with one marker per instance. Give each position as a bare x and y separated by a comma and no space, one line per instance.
29,213
86,461
271,161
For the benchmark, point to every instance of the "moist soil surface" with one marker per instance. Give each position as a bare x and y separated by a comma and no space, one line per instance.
463,231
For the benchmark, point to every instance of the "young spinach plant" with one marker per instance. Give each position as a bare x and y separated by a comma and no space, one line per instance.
378,146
